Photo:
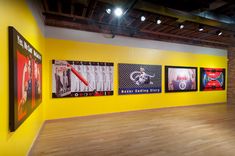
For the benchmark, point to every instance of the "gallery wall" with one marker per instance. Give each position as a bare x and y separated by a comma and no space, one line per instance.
17,14
60,49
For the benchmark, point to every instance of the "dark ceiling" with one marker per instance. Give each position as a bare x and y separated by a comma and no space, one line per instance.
90,15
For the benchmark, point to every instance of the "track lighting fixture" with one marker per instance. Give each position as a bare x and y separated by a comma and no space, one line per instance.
142,18
219,33
181,26
118,12
200,28
108,11
159,21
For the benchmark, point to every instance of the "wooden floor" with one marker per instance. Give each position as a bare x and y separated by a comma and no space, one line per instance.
207,130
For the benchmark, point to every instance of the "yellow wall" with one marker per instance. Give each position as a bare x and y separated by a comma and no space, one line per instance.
17,13
71,50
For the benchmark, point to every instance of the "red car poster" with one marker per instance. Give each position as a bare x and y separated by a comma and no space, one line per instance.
180,79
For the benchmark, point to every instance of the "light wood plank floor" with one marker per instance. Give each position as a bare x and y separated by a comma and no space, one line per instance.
207,130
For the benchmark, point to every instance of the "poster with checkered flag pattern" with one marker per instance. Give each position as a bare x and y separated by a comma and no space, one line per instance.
139,78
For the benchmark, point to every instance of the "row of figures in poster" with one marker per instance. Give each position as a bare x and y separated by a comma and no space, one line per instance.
79,78
82,78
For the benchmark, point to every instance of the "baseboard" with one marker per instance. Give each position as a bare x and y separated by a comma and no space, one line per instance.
132,111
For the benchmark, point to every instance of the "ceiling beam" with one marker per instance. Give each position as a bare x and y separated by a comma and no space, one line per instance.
45,5
72,9
59,6
130,5
127,8
90,8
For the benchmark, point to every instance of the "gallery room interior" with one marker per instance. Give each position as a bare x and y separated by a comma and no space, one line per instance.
117,77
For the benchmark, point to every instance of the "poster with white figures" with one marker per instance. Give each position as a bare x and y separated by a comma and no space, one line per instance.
81,78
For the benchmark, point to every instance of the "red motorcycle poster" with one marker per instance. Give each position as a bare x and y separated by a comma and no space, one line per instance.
212,79
25,78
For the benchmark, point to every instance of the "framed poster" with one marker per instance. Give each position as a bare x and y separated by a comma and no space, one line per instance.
180,79
139,79
25,64
212,79
81,78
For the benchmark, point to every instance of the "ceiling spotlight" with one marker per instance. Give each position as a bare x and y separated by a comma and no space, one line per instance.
118,12
108,11
142,18
219,32
181,26
200,28
159,21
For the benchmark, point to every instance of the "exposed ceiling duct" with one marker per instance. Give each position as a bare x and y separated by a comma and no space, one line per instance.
217,4
204,18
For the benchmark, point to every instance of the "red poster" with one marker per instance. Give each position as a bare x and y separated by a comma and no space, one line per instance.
25,78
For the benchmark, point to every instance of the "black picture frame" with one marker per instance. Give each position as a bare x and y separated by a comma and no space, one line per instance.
25,92
167,90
